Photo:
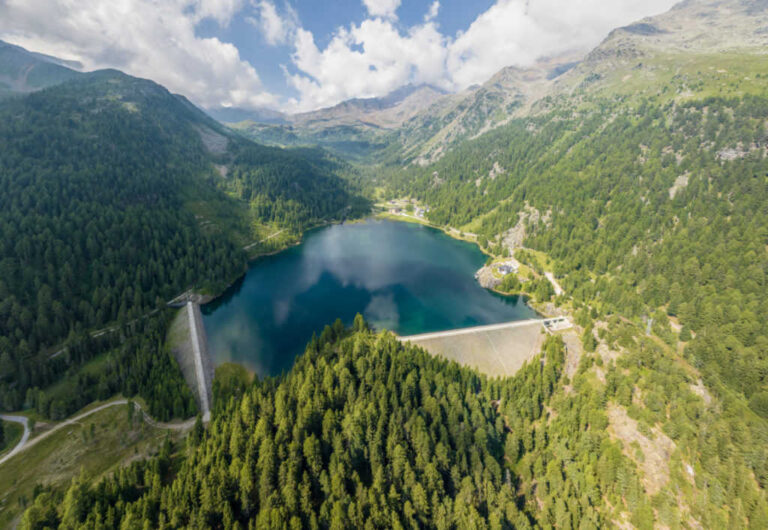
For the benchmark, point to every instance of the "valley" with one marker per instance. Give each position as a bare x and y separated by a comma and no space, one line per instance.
534,302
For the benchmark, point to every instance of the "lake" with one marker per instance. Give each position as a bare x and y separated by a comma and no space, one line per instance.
400,276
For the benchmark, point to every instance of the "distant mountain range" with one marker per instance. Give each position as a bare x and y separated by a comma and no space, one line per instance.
420,124
421,120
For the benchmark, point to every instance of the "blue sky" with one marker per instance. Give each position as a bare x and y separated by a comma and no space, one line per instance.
323,19
299,55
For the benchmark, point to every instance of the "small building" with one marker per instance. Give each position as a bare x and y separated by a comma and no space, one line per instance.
507,268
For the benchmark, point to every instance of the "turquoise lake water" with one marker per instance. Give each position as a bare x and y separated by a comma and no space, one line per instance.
404,277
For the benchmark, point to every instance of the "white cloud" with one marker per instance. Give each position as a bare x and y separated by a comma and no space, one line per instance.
516,32
144,38
387,61
382,8
376,56
434,9
220,10
157,39
276,28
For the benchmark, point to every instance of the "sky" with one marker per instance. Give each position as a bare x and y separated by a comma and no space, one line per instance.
301,55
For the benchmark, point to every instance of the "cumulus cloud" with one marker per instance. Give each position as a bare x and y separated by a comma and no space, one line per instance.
157,39
275,27
365,61
144,38
516,32
220,10
376,56
434,9
382,8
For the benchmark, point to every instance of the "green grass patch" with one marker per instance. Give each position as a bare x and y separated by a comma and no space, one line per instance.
12,432
96,445
67,384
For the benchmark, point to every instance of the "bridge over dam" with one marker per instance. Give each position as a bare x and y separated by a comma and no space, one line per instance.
496,349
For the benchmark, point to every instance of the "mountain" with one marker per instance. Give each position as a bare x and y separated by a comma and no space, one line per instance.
22,71
236,115
356,128
637,179
458,117
422,129
117,196
382,113
416,123
696,43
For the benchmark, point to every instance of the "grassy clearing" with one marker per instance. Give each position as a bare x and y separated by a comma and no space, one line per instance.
97,445
68,384
690,76
12,434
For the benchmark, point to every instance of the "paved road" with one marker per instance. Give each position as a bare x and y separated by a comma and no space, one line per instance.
24,437
476,329
25,444
202,387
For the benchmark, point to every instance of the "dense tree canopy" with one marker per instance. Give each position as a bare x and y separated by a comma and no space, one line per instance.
647,207
94,225
363,432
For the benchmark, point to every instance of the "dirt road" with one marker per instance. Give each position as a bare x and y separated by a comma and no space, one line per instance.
25,443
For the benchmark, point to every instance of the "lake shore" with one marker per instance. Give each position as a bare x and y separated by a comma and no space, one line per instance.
406,279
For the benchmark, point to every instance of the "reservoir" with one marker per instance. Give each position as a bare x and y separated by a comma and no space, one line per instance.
404,277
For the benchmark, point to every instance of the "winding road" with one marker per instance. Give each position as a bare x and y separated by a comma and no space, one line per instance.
25,443
24,437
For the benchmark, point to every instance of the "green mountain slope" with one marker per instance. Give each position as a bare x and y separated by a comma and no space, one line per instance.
112,204
650,200
641,180
367,432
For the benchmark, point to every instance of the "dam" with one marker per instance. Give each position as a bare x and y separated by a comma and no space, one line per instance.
496,349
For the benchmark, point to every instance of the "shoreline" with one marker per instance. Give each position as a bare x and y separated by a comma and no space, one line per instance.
250,260
383,216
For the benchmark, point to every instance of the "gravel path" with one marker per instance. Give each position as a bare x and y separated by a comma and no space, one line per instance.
25,443
265,239
551,277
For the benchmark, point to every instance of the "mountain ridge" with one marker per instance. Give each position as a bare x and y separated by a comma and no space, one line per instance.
23,71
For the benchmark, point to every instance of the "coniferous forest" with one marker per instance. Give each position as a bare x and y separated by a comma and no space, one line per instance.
637,181
95,235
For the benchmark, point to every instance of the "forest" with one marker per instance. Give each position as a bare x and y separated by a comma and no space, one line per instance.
651,210
367,432
95,234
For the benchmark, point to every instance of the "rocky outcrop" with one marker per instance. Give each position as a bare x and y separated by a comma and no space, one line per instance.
515,236
486,278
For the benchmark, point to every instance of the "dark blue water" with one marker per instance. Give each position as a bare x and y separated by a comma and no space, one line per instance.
404,277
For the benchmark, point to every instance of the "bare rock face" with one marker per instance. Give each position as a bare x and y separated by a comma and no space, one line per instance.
514,237
486,279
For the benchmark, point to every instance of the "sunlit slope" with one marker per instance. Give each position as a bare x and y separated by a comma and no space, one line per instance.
117,196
